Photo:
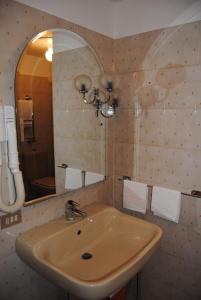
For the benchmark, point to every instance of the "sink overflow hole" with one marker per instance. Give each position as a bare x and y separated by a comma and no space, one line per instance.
86,255
79,232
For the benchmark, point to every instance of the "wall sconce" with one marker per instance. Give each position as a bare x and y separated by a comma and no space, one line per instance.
105,101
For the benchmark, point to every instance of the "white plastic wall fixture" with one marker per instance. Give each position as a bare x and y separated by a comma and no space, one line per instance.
8,134
2,124
11,136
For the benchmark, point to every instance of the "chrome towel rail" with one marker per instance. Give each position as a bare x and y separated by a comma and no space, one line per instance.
194,193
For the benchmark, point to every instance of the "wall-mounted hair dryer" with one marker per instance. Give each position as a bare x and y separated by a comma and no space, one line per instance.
8,145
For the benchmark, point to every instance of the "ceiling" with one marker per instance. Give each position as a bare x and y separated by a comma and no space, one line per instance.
119,18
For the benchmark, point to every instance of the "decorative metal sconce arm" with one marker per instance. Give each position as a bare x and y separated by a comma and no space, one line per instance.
105,101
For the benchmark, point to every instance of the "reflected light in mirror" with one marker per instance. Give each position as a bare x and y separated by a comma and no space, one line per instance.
48,54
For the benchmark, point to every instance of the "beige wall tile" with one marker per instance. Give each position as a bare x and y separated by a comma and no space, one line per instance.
169,167
160,74
159,48
80,132
124,126
140,60
79,124
78,153
18,24
71,63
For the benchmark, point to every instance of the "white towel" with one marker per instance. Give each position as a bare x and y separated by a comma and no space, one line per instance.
73,179
166,203
91,178
135,195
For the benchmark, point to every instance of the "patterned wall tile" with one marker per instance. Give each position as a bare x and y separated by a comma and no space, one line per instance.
160,74
83,160
16,277
160,77
172,168
173,87
140,60
173,131
159,48
124,157
190,213
172,272
18,24
124,132
177,263
68,64
82,124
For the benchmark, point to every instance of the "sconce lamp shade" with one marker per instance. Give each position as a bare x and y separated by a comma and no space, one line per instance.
83,83
109,81
103,97
48,54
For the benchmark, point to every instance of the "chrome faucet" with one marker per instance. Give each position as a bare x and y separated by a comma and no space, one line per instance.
72,212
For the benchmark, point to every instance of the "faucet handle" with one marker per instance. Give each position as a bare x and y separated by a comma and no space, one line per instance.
73,203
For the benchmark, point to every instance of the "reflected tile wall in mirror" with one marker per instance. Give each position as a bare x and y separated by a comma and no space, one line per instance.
79,136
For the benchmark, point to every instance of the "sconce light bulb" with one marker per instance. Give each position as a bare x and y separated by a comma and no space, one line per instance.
109,81
83,88
110,111
83,83
109,86
107,111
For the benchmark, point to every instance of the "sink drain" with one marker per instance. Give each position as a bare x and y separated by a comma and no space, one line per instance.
86,255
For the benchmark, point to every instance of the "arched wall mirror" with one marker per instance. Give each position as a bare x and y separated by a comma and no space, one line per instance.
57,130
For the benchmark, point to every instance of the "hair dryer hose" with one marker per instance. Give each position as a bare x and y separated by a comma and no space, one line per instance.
20,195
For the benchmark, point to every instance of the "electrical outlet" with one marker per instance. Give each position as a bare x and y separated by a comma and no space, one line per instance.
11,219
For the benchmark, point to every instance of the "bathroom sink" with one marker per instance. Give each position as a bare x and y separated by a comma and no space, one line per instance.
93,257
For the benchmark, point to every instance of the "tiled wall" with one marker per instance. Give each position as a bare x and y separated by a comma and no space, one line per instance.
79,136
160,78
161,71
174,272
175,269
18,24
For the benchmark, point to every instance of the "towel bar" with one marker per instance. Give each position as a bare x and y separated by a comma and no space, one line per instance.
194,193
63,166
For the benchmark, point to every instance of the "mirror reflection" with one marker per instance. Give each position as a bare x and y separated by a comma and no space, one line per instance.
34,106
61,140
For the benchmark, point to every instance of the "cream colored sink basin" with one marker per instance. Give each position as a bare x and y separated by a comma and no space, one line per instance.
92,257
